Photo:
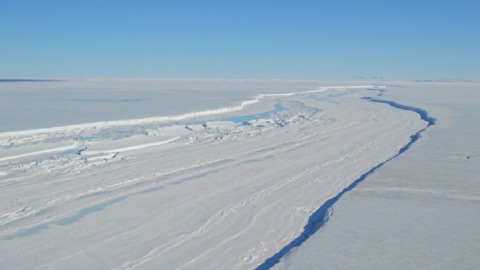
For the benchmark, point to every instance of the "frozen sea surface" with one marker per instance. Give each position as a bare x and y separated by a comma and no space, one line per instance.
33,105
26,105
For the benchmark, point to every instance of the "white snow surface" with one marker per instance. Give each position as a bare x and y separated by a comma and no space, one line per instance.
418,211
172,195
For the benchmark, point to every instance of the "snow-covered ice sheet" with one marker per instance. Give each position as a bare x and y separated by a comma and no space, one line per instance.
421,209
162,194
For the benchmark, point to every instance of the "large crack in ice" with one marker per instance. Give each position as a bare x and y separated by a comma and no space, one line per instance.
321,216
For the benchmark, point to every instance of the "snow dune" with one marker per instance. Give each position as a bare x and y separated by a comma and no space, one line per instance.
207,195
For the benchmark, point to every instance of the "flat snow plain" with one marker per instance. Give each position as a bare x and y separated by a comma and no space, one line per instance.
216,189
421,209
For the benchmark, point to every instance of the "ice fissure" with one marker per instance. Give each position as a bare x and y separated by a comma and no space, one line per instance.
321,216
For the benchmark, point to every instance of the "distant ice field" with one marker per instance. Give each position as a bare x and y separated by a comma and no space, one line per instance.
26,105
33,105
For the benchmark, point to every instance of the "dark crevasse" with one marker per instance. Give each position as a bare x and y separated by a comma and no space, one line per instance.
320,217
423,114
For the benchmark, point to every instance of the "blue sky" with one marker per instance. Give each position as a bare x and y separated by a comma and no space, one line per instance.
240,39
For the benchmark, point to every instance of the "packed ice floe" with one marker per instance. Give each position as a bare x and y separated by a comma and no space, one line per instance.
219,189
